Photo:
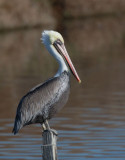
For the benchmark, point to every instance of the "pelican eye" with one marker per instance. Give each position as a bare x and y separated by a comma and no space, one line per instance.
56,45
58,41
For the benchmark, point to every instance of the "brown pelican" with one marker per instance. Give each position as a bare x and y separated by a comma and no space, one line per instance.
43,101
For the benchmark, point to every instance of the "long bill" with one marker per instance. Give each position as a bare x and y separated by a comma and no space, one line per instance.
62,50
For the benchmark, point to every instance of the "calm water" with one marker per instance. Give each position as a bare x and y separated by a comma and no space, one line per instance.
92,124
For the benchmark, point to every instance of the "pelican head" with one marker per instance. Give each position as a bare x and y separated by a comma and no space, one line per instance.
54,43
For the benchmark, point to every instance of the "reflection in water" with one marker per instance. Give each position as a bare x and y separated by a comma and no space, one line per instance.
92,124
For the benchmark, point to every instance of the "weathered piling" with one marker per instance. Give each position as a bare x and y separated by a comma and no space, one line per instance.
49,148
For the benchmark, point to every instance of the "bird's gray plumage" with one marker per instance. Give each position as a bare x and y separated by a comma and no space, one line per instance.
43,102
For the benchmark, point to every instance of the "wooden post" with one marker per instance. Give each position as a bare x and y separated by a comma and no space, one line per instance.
49,148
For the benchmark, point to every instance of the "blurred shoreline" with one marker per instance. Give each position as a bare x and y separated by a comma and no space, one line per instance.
16,15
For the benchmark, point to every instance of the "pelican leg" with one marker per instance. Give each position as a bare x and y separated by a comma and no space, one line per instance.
47,125
43,127
48,128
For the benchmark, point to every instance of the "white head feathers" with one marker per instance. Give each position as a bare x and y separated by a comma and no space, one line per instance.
51,36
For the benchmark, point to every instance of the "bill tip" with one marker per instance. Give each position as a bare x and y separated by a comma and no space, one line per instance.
79,81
